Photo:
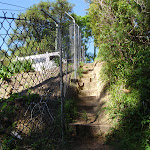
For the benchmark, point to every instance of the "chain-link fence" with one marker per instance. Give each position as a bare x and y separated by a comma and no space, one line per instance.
37,59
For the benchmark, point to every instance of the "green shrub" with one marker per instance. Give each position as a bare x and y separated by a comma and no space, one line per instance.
123,41
81,64
5,72
22,66
70,110
27,66
56,60
15,67
80,72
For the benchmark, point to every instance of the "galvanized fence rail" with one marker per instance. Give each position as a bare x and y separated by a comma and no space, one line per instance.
37,59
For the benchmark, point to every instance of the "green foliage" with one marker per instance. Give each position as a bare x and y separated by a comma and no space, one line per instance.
81,64
84,116
34,30
22,66
86,31
15,67
89,57
12,145
4,58
70,110
5,73
8,108
80,72
11,111
56,60
121,29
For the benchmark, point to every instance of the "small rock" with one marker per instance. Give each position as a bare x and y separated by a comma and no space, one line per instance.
126,91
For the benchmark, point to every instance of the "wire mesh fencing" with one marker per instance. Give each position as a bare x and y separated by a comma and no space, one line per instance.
37,60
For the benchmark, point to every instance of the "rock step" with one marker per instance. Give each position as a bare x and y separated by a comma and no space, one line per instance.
90,74
89,108
88,92
87,103
87,82
90,129
88,98
89,87
87,71
86,117
93,103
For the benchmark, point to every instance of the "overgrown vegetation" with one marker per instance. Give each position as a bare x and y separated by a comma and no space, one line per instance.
121,29
80,70
10,113
16,67
48,138
70,110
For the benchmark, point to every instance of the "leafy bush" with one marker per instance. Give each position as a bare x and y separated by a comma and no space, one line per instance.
5,72
21,66
70,110
27,66
56,60
80,72
15,67
121,31
81,64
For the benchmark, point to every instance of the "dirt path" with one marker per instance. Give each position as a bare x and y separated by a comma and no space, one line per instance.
92,125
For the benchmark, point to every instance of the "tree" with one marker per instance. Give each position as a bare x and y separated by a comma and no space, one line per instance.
4,57
111,21
35,32
86,30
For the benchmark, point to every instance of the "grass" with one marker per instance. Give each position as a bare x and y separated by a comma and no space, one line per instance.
129,110
81,64
84,116
80,72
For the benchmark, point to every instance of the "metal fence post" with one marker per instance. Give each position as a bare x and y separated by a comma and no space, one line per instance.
75,49
75,53
56,40
78,46
61,82
59,44
83,53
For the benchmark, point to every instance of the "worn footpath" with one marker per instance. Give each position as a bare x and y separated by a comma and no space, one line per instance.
93,123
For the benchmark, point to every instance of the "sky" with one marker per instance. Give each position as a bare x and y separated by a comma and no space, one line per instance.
79,9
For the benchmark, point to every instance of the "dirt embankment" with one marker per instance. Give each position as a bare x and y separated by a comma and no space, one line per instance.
37,82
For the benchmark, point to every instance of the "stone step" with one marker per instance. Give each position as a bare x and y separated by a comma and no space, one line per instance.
90,129
81,103
87,108
88,83
88,92
87,71
85,80
88,98
86,117
89,74
90,117
89,87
